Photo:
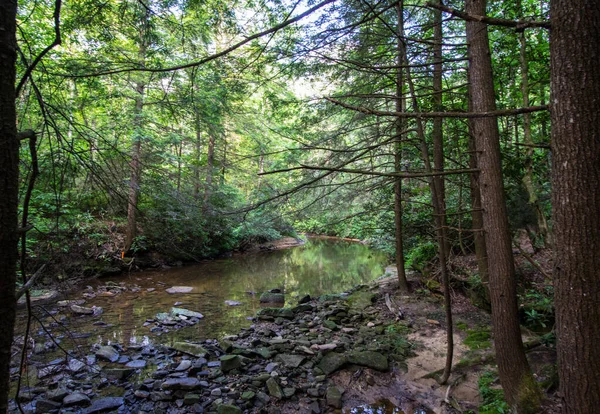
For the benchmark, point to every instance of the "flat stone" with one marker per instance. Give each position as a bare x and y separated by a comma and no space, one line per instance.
107,353
136,363
332,362
369,359
232,303
105,404
117,374
184,365
80,310
274,388
248,395
191,399
360,300
57,395
187,383
180,289
228,409
289,360
76,365
230,362
190,349
76,399
185,312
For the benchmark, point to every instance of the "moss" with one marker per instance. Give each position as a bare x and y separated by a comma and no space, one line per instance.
478,338
361,300
530,396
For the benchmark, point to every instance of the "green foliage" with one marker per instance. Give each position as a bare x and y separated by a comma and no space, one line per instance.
537,308
478,338
492,398
421,256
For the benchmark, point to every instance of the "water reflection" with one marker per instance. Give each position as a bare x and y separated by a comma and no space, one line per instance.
320,266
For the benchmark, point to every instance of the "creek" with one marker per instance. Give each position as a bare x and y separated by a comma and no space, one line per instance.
319,266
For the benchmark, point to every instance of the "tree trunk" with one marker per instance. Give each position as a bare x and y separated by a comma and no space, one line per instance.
520,388
210,164
575,86
528,179
198,145
9,184
402,282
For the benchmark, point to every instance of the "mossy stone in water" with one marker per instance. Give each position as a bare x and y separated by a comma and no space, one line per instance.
270,297
360,300
276,313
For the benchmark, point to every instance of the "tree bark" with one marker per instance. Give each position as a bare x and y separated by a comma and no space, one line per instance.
402,281
9,183
520,388
210,164
575,86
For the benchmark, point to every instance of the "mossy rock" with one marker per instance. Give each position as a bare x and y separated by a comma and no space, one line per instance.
361,300
286,313
270,297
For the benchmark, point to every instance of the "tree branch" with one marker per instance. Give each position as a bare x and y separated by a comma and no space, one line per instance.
517,24
379,174
57,41
491,114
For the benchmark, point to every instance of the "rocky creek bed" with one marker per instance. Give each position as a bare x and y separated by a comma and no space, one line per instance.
317,356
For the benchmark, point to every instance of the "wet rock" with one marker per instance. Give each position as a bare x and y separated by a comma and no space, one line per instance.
274,388
332,362
230,362
80,310
272,297
76,399
107,353
46,406
369,359
306,307
179,289
334,397
185,312
191,349
290,361
187,384
105,404
304,299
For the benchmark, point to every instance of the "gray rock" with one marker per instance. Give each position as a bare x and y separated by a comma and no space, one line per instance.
289,360
248,395
334,397
232,303
180,289
117,374
274,388
80,310
230,362
191,349
332,362
184,365
181,384
186,312
107,353
46,406
57,395
191,399
270,297
304,299
136,363
76,365
76,399
369,359
285,313
105,404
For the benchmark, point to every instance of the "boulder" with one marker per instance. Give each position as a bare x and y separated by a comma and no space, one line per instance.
107,353
230,362
274,388
369,359
332,362
76,399
270,297
185,312
334,397
46,406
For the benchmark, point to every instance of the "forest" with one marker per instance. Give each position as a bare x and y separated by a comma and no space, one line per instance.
141,134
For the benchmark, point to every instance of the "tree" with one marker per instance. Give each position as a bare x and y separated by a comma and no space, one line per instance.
520,388
575,85
9,184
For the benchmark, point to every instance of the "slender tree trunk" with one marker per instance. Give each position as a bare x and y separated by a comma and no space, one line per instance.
402,282
9,184
575,86
437,133
439,213
136,168
210,165
520,388
198,145
528,179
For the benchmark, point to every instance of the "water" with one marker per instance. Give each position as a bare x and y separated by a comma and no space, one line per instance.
320,266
